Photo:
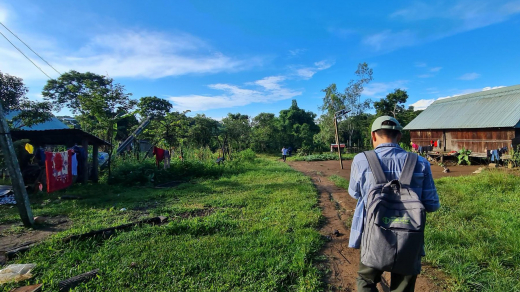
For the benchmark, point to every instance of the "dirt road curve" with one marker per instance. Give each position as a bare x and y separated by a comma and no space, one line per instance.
338,208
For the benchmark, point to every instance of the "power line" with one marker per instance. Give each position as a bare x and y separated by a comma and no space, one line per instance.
25,55
29,48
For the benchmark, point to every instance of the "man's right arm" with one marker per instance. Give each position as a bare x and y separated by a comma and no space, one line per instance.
354,188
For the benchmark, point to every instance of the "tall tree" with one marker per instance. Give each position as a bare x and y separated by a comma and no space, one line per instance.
97,98
266,133
152,106
13,96
237,129
203,131
298,127
350,99
393,104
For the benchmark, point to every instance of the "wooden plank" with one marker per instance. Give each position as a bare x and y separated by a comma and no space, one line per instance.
11,161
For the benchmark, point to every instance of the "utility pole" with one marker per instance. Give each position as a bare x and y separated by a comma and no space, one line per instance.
20,193
337,140
336,114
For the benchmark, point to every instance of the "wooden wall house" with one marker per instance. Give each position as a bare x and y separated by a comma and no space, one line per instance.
477,121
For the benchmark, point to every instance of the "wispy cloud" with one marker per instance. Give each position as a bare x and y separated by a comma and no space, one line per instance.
388,40
130,53
308,72
376,89
425,75
424,103
268,89
3,14
457,17
469,76
296,52
435,69
420,64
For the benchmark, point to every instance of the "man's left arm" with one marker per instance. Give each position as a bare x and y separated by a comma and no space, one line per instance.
430,198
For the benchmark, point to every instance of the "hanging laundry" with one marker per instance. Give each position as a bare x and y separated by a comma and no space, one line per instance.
58,169
74,162
494,155
80,157
159,155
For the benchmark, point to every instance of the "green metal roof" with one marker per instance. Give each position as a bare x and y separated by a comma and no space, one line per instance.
496,108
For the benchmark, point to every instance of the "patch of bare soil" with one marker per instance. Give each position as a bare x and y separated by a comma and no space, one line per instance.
331,167
338,208
14,234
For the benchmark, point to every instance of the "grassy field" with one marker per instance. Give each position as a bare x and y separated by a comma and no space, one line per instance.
339,181
322,157
475,236
259,234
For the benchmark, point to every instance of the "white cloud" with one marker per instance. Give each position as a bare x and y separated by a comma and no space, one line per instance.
456,17
268,89
388,40
138,54
3,14
469,76
490,88
435,69
308,72
420,64
378,88
422,104
466,14
425,75
296,52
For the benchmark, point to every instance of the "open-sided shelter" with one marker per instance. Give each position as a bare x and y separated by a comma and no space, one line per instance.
67,137
477,121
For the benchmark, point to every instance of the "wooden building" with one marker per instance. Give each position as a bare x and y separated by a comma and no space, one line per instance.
478,121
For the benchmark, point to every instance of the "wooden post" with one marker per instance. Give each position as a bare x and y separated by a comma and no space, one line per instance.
95,163
11,161
84,144
337,140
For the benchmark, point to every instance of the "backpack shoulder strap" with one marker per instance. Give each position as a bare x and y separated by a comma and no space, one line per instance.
408,168
375,167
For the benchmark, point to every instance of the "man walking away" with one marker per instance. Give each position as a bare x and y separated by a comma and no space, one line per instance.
399,193
284,153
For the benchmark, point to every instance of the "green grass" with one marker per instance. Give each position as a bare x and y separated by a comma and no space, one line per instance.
339,181
262,235
475,236
322,157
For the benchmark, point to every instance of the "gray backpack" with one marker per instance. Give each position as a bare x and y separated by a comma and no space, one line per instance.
393,235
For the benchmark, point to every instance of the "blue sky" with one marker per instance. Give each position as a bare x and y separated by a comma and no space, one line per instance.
216,57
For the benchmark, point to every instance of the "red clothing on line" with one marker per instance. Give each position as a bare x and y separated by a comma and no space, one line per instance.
58,170
159,154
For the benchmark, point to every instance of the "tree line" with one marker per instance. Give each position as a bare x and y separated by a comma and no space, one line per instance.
104,108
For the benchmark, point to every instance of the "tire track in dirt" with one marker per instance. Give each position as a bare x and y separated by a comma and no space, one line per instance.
341,261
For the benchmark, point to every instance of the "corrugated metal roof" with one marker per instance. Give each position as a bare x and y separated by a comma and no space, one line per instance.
496,108
53,124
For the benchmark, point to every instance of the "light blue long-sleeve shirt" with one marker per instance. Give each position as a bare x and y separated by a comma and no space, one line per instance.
392,158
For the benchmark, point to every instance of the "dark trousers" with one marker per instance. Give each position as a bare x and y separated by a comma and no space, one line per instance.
284,157
369,277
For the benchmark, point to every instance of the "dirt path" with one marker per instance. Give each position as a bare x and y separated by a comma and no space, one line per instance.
338,208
